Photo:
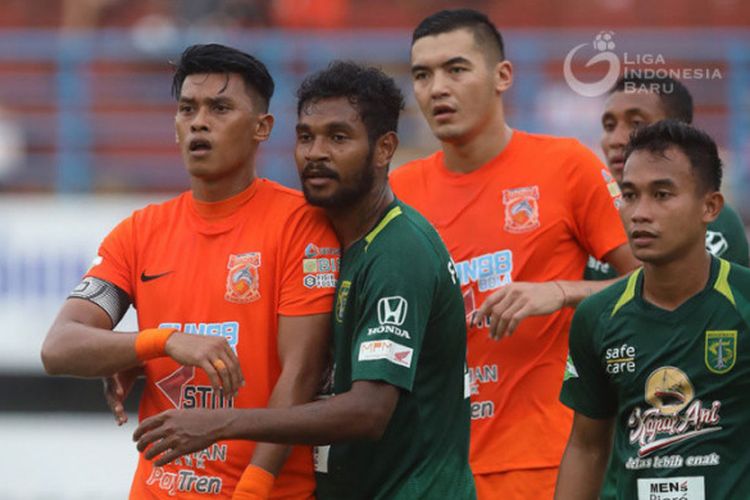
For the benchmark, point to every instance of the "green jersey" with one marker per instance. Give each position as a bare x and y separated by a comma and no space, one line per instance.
399,318
674,381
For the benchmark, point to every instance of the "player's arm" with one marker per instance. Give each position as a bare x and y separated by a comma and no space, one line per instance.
361,413
585,459
508,306
303,344
81,342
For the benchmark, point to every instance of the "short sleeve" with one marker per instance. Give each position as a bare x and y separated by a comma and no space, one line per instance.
393,307
115,258
594,196
586,388
310,258
726,237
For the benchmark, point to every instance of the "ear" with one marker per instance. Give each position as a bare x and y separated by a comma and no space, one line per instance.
713,203
263,127
385,147
503,74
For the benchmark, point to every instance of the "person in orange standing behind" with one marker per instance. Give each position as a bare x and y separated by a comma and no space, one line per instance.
233,283
519,213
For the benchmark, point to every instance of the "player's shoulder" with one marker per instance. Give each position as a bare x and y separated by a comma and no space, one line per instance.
283,202
550,143
162,212
403,234
611,301
737,276
415,168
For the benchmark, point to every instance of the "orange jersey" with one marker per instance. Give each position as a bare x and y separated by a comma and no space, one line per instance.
227,269
533,213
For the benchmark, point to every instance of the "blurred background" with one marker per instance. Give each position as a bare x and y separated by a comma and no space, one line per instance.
86,136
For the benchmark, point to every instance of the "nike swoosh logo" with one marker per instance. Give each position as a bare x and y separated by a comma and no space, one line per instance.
148,277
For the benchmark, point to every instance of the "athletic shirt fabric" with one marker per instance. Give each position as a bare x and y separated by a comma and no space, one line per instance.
533,213
226,269
676,383
399,319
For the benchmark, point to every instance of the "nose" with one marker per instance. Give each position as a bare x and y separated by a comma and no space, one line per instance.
439,87
316,150
199,122
618,137
641,210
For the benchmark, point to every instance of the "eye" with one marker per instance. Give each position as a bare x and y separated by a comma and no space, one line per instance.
637,123
454,70
419,75
304,137
185,108
662,195
221,108
608,125
339,137
628,195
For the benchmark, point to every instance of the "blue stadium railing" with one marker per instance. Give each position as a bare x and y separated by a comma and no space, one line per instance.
55,88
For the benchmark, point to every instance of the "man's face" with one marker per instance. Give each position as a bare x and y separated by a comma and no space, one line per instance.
454,85
215,123
663,210
623,113
333,153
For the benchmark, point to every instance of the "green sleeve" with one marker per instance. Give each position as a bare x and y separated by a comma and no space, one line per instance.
726,237
393,311
586,387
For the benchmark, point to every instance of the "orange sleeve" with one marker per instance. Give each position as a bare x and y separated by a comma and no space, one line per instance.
593,196
310,264
116,257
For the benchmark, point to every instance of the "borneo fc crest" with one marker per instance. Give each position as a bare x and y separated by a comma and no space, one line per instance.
243,278
521,209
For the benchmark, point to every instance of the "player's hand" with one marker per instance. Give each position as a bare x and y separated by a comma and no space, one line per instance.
174,433
506,307
116,390
213,355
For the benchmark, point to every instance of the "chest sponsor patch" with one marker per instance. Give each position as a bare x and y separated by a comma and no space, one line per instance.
672,488
386,349
521,209
243,278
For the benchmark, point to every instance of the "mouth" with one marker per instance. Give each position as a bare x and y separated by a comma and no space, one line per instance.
617,162
442,112
318,176
199,147
642,238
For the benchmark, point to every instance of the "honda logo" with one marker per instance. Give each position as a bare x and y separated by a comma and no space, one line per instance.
392,310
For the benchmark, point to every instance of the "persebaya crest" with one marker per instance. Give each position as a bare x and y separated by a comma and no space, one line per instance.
721,350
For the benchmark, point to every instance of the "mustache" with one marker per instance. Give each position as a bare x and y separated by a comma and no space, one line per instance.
313,169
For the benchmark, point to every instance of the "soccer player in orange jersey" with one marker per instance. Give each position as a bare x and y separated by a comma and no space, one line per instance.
519,213
233,284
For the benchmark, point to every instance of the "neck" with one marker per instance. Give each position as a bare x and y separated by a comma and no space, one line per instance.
469,155
212,190
669,285
354,222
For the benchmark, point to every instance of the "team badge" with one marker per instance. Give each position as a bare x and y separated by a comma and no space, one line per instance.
341,300
243,278
521,209
721,350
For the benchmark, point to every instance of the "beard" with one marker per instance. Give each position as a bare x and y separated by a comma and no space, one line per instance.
346,195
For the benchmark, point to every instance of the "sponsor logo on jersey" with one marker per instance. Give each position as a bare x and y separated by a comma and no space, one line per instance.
716,243
570,369
392,310
243,278
488,271
312,250
326,280
521,209
721,350
184,481
620,359
672,488
674,416
320,266
612,187
597,265
386,349
341,298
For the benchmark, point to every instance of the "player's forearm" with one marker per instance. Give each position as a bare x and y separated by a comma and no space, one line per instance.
581,473
80,350
294,387
336,419
576,291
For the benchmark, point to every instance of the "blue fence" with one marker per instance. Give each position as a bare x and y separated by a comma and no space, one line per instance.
96,113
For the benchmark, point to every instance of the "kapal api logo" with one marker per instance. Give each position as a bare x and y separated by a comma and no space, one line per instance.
243,278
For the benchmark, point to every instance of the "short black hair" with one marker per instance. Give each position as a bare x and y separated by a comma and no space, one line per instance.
675,97
216,58
694,143
445,21
373,93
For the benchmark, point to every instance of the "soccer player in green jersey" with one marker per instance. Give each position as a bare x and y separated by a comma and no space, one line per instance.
659,358
636,102
397,426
